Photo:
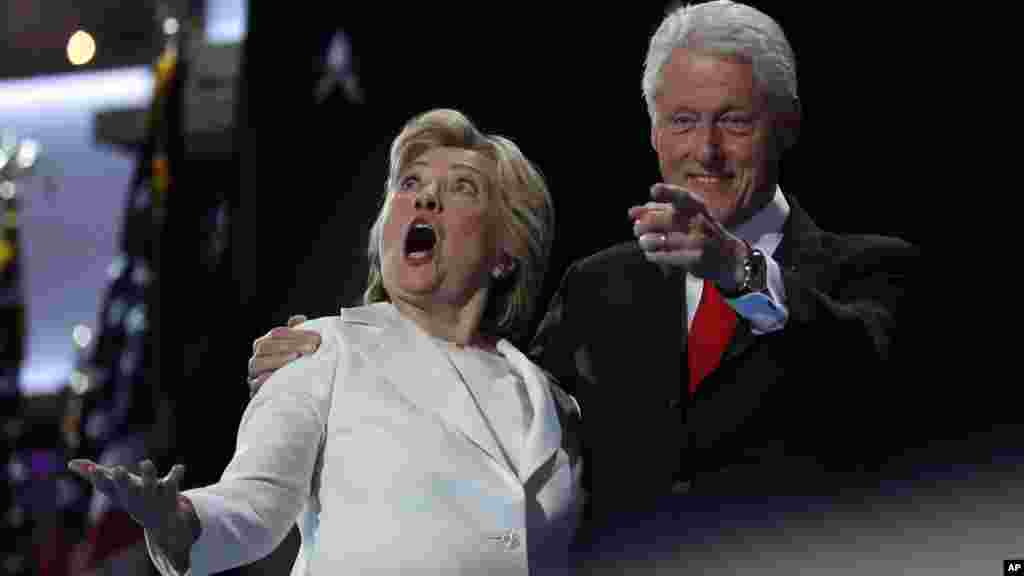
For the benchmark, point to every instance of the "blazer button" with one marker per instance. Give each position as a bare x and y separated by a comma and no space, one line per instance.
508,540
673,403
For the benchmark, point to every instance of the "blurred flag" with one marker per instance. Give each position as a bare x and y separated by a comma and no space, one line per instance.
124,412
15,524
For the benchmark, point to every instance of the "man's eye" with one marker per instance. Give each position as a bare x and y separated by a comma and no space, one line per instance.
738,122
682,122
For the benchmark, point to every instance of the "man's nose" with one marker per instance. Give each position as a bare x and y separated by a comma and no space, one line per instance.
709,145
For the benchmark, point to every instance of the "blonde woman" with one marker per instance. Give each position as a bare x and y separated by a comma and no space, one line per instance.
417,435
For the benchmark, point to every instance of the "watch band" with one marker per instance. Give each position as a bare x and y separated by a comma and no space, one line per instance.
754,274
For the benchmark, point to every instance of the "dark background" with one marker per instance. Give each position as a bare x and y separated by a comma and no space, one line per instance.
564,85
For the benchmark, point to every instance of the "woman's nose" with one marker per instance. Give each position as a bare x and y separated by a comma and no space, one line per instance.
426,199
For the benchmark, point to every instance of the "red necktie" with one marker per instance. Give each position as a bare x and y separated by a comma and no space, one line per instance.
712,328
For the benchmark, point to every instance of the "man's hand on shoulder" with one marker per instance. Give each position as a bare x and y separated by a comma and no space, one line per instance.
277,348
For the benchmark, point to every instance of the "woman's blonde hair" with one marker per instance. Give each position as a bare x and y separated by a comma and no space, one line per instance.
525,210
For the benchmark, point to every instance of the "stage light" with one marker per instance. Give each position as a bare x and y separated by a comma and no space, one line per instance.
171,26
28,151
82,335
76,92
81,48
79,382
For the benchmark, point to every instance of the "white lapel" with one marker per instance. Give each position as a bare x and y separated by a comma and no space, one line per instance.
545,433
421,372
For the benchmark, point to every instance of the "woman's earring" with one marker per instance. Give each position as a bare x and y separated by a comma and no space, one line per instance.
502,271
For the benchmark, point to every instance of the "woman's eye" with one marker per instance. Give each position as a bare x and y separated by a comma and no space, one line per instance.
466,187
409,182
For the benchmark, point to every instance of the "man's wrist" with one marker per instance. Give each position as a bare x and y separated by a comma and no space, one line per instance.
737,275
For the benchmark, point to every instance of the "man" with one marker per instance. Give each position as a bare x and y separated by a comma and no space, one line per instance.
735,348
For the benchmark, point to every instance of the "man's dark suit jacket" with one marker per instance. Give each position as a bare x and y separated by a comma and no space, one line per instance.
803,410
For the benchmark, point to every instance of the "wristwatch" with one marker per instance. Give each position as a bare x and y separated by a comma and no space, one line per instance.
755,275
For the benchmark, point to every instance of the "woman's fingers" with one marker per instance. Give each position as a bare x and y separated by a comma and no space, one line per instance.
110,481
173,479
115,481
147,472
149,498
82,467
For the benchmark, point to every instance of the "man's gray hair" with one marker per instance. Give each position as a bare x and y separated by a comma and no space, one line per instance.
729,29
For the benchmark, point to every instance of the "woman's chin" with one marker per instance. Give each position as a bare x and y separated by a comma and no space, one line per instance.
418,288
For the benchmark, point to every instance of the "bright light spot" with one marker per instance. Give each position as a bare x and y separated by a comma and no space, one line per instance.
3,159
17,471
225,20
136,320
79,382
44,375
116,267
84,91
81,48
7,190
27,153
171,26
82,335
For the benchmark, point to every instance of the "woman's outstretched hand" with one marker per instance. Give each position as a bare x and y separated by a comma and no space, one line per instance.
155,503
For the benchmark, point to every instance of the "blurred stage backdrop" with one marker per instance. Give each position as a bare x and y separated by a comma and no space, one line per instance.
178,177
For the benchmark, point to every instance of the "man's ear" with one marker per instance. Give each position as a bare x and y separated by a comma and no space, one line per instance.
788,126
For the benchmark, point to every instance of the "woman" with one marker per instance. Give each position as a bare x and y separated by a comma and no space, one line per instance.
425,440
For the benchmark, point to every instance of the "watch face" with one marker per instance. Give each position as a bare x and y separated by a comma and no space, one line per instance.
759,272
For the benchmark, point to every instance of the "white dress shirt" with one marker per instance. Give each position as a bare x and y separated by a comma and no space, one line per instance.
766,312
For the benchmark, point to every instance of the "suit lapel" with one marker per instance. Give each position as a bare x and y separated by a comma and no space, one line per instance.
545,434
799,242
801,238
422,373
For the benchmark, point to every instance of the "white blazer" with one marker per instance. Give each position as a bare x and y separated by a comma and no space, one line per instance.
378,434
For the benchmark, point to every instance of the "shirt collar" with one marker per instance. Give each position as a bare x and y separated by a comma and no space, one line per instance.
764,229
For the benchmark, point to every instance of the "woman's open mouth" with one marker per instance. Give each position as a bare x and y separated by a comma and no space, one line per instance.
420,240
